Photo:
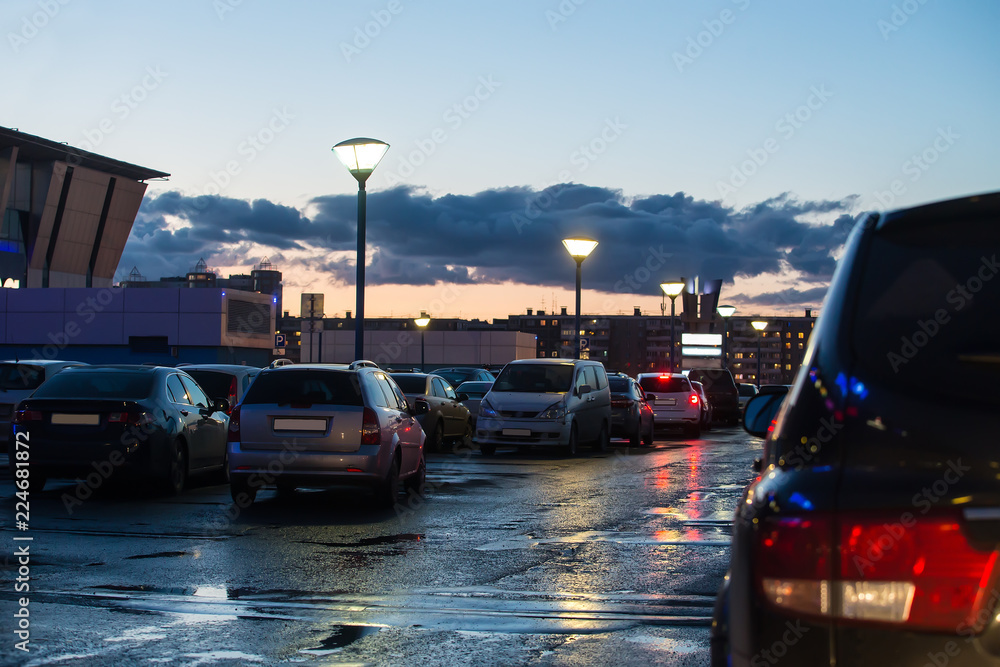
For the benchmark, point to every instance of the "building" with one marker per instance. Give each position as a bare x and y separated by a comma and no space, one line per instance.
783,347
66,213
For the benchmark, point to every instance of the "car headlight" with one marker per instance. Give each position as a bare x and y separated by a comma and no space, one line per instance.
486,410
554,411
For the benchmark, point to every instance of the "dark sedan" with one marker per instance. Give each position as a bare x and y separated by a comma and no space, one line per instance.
146,421
631,415
446,419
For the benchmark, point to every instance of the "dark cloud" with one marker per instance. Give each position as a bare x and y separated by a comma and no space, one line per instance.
790,297
505,234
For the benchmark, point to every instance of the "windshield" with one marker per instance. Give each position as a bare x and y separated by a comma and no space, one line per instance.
20,376
929,307
535,378
126,385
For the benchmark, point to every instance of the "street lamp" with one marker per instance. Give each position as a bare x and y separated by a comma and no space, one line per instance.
422,322
725,312
360,156
759,325
671,289
579,249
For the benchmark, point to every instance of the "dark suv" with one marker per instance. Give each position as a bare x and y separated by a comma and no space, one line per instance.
872,535
722,392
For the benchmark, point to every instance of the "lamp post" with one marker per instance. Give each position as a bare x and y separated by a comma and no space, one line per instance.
579,249
759,325
725,312
360,156
671,289
422,322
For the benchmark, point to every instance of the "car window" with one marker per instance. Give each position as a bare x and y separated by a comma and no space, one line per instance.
198,397
176,390
214,383
619,384
375,392
929,306
658,384
411,384
292,385
540,378
393,397
437,388
601,375
400,398
449,391
21,376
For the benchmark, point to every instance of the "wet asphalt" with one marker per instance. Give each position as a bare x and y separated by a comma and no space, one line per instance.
524,558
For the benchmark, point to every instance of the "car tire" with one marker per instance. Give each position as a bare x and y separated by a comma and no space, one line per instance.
437,438
647,439
487,450
603,442
177,472
416,484
387,492
464,443
222,476
635,438
694,431
572,447
239,486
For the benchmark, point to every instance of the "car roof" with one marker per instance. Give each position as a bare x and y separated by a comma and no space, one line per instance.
42,362
230,368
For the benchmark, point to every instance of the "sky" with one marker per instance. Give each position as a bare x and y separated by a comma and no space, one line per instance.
733,139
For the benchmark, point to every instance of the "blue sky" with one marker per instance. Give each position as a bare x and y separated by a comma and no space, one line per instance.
731,102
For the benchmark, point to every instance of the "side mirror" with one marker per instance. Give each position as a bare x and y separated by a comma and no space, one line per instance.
222,405
760,413
584,389
420,407
463,397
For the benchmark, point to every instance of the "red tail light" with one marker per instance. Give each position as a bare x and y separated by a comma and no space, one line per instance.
621,403
232,395
130,418
233,434
919,572
693,399
25,416
371,434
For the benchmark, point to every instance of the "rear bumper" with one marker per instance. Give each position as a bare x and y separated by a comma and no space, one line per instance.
365,467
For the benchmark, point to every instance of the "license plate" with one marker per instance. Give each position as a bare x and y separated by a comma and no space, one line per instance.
669,401
300,425
517,431
76,420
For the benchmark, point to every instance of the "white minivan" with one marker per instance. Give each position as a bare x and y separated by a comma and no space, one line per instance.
546,403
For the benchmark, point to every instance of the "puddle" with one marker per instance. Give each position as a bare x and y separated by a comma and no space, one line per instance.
660,538
667,644
370,541
343,635
161,554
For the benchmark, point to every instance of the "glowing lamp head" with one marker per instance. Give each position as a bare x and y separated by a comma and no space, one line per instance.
579,248
759,325
361,156
422,321
673,288
726,311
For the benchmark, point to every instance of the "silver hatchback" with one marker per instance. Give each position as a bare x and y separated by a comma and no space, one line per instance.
322,426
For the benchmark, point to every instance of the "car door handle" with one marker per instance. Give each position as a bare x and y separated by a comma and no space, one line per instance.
184,412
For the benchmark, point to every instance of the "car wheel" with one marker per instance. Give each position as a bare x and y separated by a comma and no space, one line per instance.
465,442
647,439
416,484
573,444
387,492
633,440
694,431
241,491
603,442
437,438
487,450
177,474
222,477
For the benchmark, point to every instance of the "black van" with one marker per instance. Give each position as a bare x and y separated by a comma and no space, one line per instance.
722,393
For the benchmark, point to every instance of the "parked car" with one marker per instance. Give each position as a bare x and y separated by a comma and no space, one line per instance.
475,390
311,425
18,379
228,381
674,401
446,419
546,403
631,416
459,374
722,392
746,391
873,527
706,406
149,421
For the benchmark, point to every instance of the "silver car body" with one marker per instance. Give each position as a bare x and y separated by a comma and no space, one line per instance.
18,379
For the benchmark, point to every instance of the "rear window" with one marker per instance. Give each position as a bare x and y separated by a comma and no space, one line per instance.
535,378
97,384
283,387
456,376
929,307
474,389
618,385
214,383
411,384
20,376
670,385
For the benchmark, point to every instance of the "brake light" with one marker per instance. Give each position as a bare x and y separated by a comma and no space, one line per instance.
693,399
664,376
920,573
371,434
233,434
25,416
232,395
132,418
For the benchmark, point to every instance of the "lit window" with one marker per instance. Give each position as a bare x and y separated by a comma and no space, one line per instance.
788,335
788,345
802,335
800,346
